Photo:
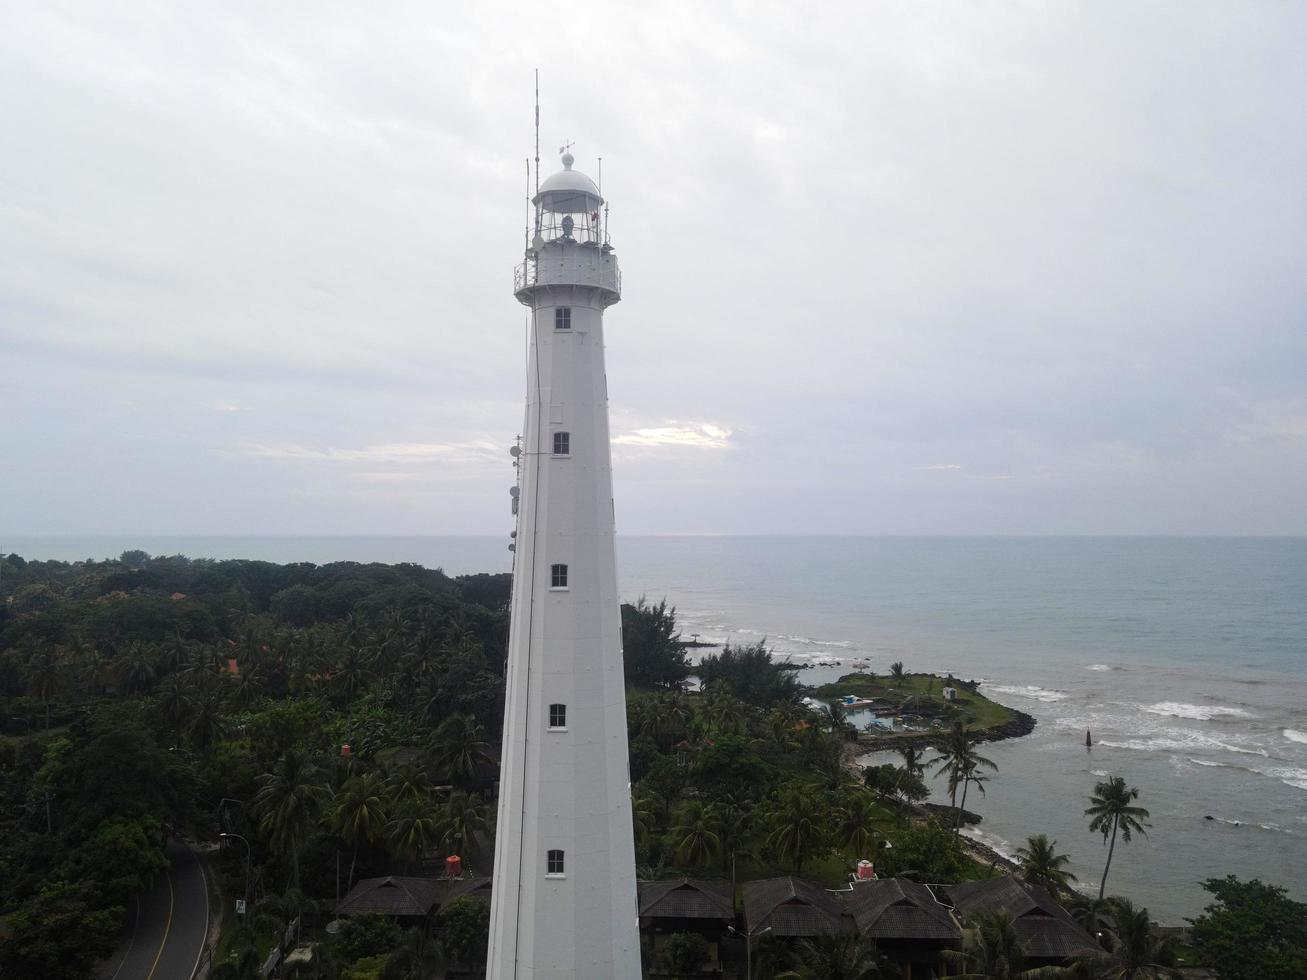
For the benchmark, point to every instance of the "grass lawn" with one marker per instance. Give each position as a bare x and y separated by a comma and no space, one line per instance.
977,711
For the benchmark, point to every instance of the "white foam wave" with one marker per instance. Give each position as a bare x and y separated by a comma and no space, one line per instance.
1181,741
1195,712
1101,667
1100,773
1297,778
1029,691
1218,765
1293,735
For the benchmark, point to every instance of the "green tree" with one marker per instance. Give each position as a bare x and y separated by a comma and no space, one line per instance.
288,802
1042,865
855,823
463,817
896,671
959,759
59,933
796,831
750,674
993,951
695,833
45,676
413,829
1111,810
839,956
1252,931
1134,951
359,815
682,954
460,749
464,930
652,654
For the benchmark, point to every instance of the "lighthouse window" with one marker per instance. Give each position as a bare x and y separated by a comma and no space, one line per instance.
562,444
558,576
558,716
563,318
554,865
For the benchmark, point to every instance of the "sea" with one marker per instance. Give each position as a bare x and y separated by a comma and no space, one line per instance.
1184,658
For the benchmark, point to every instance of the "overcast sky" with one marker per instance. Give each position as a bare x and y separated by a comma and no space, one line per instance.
888,267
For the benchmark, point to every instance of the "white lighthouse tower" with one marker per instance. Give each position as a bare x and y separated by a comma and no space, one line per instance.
564,900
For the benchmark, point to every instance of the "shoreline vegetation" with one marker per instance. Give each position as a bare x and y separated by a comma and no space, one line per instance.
326,725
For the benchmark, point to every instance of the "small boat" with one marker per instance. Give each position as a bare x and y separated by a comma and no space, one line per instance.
853,701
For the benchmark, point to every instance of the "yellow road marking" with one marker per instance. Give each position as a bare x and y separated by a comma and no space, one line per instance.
166,929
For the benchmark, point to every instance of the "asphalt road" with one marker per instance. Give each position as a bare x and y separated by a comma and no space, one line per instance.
166,925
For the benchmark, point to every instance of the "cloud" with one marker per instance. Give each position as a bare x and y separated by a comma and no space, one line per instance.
399,453
702,435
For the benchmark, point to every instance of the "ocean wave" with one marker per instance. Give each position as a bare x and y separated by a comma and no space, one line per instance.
1297,778
1293,735
1195,712
1212,764
1103,667
1181,741
1028,691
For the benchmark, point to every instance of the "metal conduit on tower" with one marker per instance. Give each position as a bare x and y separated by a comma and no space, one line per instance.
564,895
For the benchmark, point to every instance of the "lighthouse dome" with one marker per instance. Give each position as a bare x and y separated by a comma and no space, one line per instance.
568,191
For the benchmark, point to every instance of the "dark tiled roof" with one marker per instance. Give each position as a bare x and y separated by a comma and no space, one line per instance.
392,895
895,908
686,899
449,889
791,907
1045,928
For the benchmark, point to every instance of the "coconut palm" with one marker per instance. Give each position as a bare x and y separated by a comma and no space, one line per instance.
969,778
407,783
1111,809
174,700
460,749
1042,865
913,759
643,816
723,714
419,957
959,759
288,801
695,833
1093,914
462,818
855,827
839,957
1134,951
359,815
413,829
137,669
795,831
44,676
353,676
993,951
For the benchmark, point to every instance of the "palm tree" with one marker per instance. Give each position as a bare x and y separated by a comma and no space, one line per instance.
795,830
407,783
1134,950
723,714
1042,865
896,671
353,676
695,833
419,957
289,799
1111,811
460,749
969,778
463,816
855,828
913,760
993,951
44,675
136,669
1093,914
359,815
175,702
413,829
839,956
958,756
643,816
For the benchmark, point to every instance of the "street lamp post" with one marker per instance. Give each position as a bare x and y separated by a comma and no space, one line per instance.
247,859
748,950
